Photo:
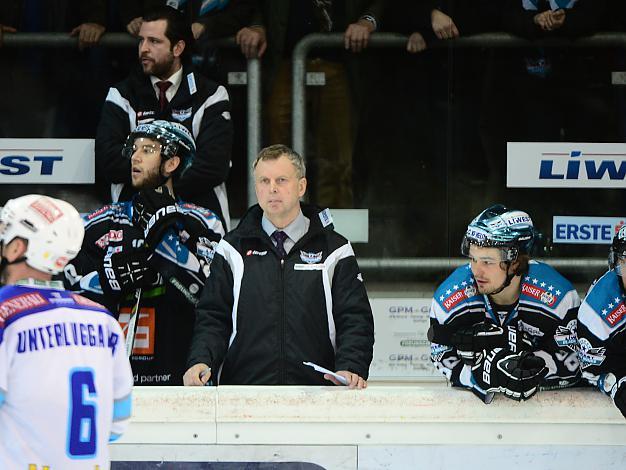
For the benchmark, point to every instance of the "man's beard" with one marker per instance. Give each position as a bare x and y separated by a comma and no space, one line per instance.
150,181
160,69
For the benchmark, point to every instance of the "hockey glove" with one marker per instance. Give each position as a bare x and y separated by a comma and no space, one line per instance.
489,336
618,393
516,375
154,211
125,272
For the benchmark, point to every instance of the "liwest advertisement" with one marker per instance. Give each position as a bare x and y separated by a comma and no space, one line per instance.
566,165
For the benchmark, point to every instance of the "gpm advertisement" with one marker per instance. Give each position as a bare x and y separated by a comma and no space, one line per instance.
566,165
47,161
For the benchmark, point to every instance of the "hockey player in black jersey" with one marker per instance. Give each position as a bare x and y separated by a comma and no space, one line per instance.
149,257
602,328
504,323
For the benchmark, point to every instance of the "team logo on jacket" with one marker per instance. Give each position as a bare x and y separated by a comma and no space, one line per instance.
256,253
181,115
470,291
590,356
311,258
145,116
565,337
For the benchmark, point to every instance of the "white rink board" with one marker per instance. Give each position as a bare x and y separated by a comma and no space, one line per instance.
429,426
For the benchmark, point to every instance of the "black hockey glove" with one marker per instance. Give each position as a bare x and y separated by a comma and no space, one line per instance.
126,272
489,336
516,375
154,211
619,395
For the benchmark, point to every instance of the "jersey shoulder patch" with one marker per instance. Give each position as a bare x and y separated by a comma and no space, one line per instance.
543,284
16,300
606,300
457,289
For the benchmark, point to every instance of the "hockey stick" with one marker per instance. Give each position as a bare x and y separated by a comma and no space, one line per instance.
131,329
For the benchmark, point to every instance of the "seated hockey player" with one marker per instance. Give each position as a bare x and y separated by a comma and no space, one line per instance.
65,379
148,258
504,323
602,328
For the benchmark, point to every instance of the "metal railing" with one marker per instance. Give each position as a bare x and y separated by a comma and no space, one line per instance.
301,51
381,40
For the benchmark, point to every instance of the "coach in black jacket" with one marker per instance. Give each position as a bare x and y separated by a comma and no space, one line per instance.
284,289
166,89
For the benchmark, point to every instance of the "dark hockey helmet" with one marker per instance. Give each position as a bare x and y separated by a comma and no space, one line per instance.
174,138
499,227
618,250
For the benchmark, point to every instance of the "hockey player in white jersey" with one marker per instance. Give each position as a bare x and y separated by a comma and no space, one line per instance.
602,328
504,323
65,379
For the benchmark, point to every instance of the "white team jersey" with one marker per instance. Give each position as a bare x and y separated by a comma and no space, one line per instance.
65,380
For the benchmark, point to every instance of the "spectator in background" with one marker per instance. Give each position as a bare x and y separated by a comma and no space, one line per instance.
429,20
209,19
562,94
167,87
60,101
153,251
284,289
273,34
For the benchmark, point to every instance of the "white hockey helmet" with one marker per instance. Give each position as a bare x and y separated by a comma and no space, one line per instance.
53,228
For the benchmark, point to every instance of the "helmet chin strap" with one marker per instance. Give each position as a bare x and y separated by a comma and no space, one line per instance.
507,280
164,178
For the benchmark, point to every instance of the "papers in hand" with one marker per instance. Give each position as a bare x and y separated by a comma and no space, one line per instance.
323,370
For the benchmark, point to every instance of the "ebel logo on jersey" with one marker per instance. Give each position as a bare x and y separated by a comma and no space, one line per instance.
58,161
566,165
586,230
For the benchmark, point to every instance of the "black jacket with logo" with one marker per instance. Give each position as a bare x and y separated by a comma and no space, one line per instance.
200,105
261,317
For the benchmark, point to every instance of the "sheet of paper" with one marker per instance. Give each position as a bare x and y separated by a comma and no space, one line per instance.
323,370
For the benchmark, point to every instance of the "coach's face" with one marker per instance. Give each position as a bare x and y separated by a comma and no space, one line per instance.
278,190
157,55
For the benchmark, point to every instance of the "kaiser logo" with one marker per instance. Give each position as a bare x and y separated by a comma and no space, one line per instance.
454,300
539,294
311,258
615,316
